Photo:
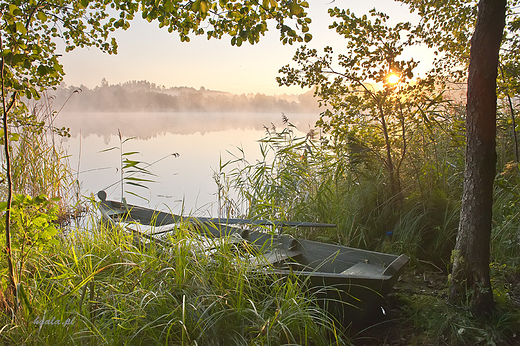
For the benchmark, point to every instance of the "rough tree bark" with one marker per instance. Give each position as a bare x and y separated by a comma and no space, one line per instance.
6,110
470,281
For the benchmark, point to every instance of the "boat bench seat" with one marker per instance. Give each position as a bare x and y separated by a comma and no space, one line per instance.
364,269
117,213
274,256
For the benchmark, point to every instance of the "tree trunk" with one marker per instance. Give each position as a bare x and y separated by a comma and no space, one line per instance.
393,172
470,282
8,249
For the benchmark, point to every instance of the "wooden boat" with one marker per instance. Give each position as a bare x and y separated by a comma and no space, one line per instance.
350,282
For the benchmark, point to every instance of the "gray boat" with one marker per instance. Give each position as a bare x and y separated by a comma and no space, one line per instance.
349,282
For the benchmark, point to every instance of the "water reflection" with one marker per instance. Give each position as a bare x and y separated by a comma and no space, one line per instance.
148,125
182,184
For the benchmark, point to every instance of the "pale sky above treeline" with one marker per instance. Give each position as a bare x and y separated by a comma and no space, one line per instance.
147,52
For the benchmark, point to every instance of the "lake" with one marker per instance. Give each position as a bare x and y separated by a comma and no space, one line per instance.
184,183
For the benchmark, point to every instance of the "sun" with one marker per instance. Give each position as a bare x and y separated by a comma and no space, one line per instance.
392,78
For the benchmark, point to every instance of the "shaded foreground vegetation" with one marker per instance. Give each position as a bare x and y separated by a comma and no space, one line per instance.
101,287
311,178
111,291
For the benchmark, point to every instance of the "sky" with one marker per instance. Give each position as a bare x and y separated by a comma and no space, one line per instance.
147,52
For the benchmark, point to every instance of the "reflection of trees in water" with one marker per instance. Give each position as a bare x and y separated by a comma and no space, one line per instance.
144,110
148,125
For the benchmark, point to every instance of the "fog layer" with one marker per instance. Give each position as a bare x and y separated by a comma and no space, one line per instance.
145,110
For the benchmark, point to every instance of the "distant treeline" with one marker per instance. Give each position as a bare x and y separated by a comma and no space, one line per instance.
143,96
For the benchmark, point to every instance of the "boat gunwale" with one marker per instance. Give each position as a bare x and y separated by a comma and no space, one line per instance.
106,206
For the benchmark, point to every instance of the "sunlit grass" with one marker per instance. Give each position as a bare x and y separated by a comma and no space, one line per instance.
113,291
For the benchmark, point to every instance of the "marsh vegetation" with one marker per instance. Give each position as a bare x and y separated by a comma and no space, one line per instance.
386,163
90,283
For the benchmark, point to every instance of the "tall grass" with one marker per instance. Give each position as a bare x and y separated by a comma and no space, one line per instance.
97,285
302,177
113,291
41,179
39,163
506,221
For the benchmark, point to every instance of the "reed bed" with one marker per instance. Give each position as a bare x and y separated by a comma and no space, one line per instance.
98,287
306,177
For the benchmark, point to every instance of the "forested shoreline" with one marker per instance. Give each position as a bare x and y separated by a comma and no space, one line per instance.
144,96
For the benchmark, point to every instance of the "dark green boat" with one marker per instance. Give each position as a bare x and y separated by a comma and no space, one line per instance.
349,281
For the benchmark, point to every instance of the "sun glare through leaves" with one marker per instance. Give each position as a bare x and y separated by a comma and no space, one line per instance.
392,78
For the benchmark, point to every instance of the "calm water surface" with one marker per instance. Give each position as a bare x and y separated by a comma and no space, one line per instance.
183,184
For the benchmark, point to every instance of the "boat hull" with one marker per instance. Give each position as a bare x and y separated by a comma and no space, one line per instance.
349,282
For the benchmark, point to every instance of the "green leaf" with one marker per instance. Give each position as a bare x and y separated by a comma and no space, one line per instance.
168,6
129,163
295,9
204,7
120,23
109,149
14,137
129,139
140,179
42,70
137,185
18,58
14,10
20,28
41,16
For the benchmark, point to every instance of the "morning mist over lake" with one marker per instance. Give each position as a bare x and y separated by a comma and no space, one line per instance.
184,133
